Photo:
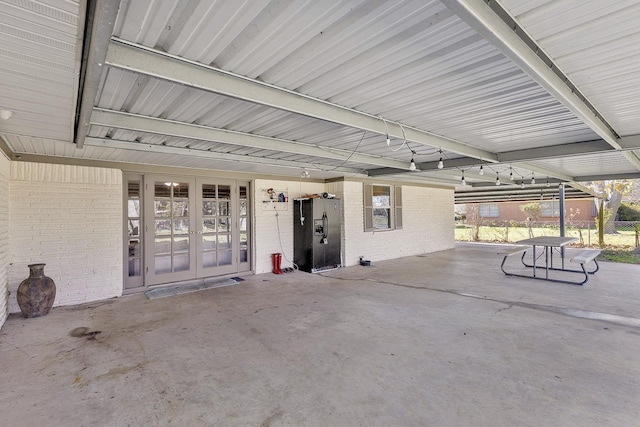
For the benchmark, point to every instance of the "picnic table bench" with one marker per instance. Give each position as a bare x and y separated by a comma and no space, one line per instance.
550,244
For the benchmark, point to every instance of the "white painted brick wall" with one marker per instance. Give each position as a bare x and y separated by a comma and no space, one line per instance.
428,225
5,166
70,218
266,226
427,217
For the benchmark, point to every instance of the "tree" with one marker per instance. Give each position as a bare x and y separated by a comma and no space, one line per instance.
473,218
533,211
601,222
611,194
572,223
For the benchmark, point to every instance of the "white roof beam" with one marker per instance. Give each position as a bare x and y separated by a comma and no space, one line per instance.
117,119
238,158
140,59
529,154
417,178
554,151
544,172
489,176
579,187
611,177
528,191
102,18
459,164
479,16
512,197
630,142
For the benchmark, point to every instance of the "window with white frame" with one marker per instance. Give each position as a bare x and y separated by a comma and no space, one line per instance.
550,208
489,210
382,207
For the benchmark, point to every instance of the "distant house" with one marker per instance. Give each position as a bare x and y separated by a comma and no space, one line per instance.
577,210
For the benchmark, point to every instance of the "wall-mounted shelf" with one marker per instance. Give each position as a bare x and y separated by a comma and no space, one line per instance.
275,198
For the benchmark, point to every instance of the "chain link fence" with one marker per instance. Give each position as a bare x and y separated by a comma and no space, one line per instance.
618,234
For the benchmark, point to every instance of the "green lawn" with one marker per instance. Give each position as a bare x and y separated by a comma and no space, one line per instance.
626,257
619,246
623,239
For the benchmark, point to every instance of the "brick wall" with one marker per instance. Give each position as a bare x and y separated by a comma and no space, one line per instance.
266,223
5,166
577,210
427,216
428,225
70,218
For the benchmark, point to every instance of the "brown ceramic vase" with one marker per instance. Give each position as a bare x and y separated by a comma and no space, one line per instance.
36,293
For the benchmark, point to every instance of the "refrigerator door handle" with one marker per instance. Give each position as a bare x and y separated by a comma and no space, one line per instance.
325,228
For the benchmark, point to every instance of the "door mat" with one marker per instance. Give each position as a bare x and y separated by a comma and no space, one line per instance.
169,291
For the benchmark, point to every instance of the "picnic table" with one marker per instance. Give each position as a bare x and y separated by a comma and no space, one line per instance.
550,245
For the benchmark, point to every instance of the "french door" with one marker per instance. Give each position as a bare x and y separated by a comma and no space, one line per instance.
170,229
217,228
193,228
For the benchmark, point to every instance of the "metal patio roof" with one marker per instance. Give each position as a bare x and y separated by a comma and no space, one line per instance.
512,192
523,89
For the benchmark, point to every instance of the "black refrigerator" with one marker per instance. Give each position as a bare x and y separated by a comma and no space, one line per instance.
317,234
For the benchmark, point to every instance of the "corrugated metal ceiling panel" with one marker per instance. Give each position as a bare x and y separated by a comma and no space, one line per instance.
61,149
206,146
412,61
38,44
597,44
154,97
586,165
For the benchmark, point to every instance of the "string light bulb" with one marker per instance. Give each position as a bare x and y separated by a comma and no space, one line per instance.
388,141
497,180
522,185
510,174
440,162
481,170
462,181
533,179
548,183
412,164
5,114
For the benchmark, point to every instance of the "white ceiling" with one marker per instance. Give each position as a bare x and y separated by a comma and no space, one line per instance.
526,88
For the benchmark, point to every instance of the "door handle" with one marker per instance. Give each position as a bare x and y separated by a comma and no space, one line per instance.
325,229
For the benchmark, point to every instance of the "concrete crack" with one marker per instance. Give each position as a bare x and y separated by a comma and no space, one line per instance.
566,311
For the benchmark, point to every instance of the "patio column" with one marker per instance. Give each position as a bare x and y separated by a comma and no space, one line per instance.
561,207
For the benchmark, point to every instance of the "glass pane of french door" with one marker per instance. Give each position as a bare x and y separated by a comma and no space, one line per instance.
217,245
134,255
194,228
170,233
244,229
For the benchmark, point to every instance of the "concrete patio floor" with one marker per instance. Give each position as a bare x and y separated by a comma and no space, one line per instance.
443,339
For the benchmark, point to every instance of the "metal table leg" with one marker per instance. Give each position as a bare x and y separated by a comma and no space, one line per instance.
534,261
546,261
